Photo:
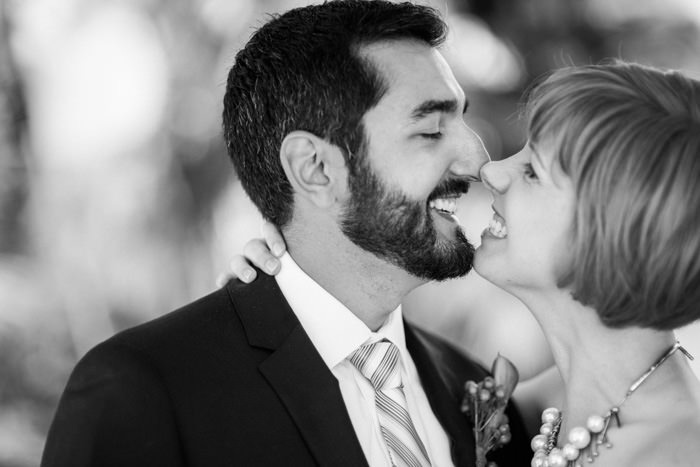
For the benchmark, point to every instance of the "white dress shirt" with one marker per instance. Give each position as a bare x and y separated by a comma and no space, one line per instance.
336,333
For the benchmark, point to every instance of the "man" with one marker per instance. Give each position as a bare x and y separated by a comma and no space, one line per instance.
345,126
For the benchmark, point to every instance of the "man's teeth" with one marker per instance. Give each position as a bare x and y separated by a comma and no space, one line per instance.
448,205
497,229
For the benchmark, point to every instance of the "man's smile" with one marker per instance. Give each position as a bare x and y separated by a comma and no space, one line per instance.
443,200
445,205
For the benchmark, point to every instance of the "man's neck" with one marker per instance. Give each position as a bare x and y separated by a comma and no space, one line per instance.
369,287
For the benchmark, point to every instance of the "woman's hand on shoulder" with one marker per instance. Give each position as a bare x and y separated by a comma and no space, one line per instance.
263,253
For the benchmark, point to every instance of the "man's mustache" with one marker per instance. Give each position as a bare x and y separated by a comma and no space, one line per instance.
450,187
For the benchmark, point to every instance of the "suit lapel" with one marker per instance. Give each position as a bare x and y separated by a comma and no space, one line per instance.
313,399
443,403
297,373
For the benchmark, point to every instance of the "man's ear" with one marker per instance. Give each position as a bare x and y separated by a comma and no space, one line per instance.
315,168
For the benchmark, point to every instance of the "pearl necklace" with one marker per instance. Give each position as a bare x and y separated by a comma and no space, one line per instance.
584,442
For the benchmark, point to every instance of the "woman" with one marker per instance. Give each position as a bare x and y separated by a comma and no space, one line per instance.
596,229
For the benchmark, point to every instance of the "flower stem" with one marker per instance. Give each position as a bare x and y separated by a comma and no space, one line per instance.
480,457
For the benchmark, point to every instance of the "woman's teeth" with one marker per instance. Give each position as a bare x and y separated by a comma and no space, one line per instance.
497,228
448,205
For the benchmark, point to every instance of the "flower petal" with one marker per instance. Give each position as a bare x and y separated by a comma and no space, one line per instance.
505,374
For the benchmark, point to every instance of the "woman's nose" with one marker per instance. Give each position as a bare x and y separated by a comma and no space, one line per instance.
495,177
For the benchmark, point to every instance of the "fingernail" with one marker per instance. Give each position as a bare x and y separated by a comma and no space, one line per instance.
271,264
277,249
248,275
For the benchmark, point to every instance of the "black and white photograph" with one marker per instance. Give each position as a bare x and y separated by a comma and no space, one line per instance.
349,233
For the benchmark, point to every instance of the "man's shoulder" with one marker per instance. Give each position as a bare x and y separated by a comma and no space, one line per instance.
215,312
165,337
215,325
198,339
151,384
206,313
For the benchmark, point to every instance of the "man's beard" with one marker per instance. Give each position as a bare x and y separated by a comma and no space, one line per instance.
401,231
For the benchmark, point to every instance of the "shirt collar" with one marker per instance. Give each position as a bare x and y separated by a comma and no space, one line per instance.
334,330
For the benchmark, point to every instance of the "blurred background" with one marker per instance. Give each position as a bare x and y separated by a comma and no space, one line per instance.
118,203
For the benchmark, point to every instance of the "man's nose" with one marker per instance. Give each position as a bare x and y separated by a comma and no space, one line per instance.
472,156
495,177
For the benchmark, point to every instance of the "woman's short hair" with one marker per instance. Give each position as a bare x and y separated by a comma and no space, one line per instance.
628,136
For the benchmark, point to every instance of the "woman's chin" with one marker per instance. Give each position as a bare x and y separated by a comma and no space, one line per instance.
499,273
484,267
523,286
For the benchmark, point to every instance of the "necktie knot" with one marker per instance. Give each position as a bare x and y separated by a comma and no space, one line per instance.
379,363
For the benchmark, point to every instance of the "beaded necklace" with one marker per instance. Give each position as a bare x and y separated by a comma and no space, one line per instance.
584,442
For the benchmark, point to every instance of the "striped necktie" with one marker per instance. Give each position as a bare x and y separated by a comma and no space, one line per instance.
380,364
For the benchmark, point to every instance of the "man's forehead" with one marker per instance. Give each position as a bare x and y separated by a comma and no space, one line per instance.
414,73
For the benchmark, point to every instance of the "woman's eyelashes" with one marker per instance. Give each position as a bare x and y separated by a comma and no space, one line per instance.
435,135
530,173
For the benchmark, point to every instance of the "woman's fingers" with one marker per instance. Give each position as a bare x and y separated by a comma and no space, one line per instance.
273,239
239,268
257,252
223,278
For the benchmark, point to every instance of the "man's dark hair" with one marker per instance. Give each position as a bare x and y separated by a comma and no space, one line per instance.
302,71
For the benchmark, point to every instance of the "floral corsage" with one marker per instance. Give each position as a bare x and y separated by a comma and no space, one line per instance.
484,404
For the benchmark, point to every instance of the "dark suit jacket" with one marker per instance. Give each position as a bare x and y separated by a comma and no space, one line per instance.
233,380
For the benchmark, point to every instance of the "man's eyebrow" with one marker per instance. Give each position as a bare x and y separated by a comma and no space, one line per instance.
432,106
